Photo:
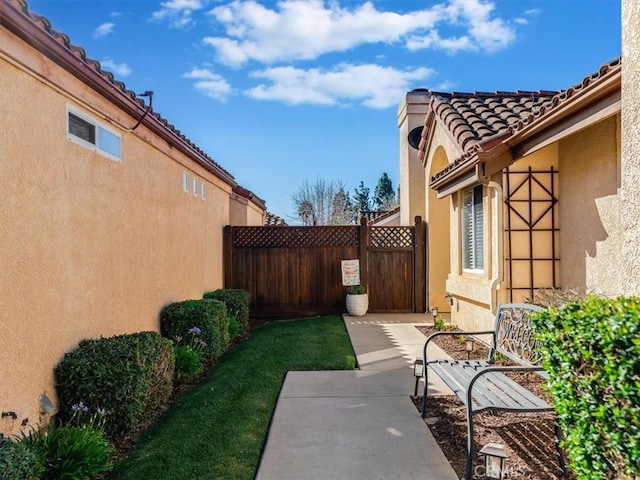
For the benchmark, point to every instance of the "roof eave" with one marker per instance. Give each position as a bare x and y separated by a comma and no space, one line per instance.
595,101
20,24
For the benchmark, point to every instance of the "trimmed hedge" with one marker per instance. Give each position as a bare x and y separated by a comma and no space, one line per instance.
591,349
237,302
18,461
209,316
130,376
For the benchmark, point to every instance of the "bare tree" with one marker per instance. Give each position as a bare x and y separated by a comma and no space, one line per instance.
323,202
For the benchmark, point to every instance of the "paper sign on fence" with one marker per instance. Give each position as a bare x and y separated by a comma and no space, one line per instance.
350,272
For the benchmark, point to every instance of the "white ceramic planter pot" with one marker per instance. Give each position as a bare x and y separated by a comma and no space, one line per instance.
357,305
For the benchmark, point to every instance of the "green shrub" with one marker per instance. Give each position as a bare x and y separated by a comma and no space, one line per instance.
208,316
357,290
71,452
237,303
591,350
18,460
188,362
234,328
127,377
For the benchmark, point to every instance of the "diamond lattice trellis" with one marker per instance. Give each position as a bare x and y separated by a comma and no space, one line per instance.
291,237
391,237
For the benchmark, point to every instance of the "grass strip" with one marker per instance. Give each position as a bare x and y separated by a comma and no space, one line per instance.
217,429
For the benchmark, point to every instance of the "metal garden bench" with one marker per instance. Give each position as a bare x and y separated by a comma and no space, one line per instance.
483,386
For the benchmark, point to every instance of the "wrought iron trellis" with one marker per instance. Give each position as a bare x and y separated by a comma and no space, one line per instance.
531,214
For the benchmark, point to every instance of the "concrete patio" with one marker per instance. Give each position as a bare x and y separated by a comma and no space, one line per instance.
357,424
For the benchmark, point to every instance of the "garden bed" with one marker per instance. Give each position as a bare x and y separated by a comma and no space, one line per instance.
528,436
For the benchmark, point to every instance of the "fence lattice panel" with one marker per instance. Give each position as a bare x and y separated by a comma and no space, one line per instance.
295,237
391,237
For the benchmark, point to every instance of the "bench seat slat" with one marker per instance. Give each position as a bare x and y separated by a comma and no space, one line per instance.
491,391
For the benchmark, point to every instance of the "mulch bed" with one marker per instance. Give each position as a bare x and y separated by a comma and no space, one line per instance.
528,437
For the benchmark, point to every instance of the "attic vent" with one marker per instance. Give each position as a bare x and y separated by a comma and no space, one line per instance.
414,137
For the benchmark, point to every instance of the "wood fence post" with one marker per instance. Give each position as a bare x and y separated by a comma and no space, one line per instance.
419,269
363,252
227,256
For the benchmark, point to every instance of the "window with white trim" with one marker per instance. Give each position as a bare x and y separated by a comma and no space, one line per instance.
203,190
195,187
185,182
472,229
89,133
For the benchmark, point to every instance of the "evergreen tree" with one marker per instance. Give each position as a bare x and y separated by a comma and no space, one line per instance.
361,200
385,198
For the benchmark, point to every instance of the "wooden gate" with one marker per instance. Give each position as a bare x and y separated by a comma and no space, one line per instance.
392,268
294,271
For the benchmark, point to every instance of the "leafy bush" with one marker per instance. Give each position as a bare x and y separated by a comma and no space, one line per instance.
73,452
234,328
19,461
188,362
127,377
208,316
237,303
591,350
356,290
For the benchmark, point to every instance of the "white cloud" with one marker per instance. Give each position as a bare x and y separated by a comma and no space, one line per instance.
104,30
179,13
533,12
118,69
521,21
370,85
209,83
306,29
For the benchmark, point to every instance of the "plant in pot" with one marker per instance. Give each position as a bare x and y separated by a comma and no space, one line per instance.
357,300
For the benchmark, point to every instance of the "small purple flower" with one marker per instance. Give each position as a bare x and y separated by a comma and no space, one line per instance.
79,407
194,331
101,411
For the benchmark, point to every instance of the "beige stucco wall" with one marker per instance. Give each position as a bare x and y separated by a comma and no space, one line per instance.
237,210
255,214
589,209
439,235
411,114
89,246
630,170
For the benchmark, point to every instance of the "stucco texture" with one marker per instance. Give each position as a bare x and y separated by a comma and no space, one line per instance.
589,209
630,170
89,247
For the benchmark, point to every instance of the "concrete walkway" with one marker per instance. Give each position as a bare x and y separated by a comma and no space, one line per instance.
352,425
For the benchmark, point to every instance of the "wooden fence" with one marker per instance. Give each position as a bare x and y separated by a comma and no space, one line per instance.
296,271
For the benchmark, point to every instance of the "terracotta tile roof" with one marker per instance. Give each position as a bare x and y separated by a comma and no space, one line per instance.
371,215
61,38
476,118
381,215
609,68
249,195
480,121
273,219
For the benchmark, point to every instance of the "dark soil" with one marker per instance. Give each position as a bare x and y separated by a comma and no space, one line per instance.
528,437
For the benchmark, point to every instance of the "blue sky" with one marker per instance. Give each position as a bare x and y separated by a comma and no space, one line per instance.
282,92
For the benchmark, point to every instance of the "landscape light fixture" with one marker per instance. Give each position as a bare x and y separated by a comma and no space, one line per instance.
468,346
494,457
418,371
434,312
46,405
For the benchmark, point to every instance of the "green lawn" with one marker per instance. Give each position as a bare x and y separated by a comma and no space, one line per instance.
217,429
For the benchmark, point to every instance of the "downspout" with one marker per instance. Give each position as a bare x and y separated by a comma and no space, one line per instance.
498,250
